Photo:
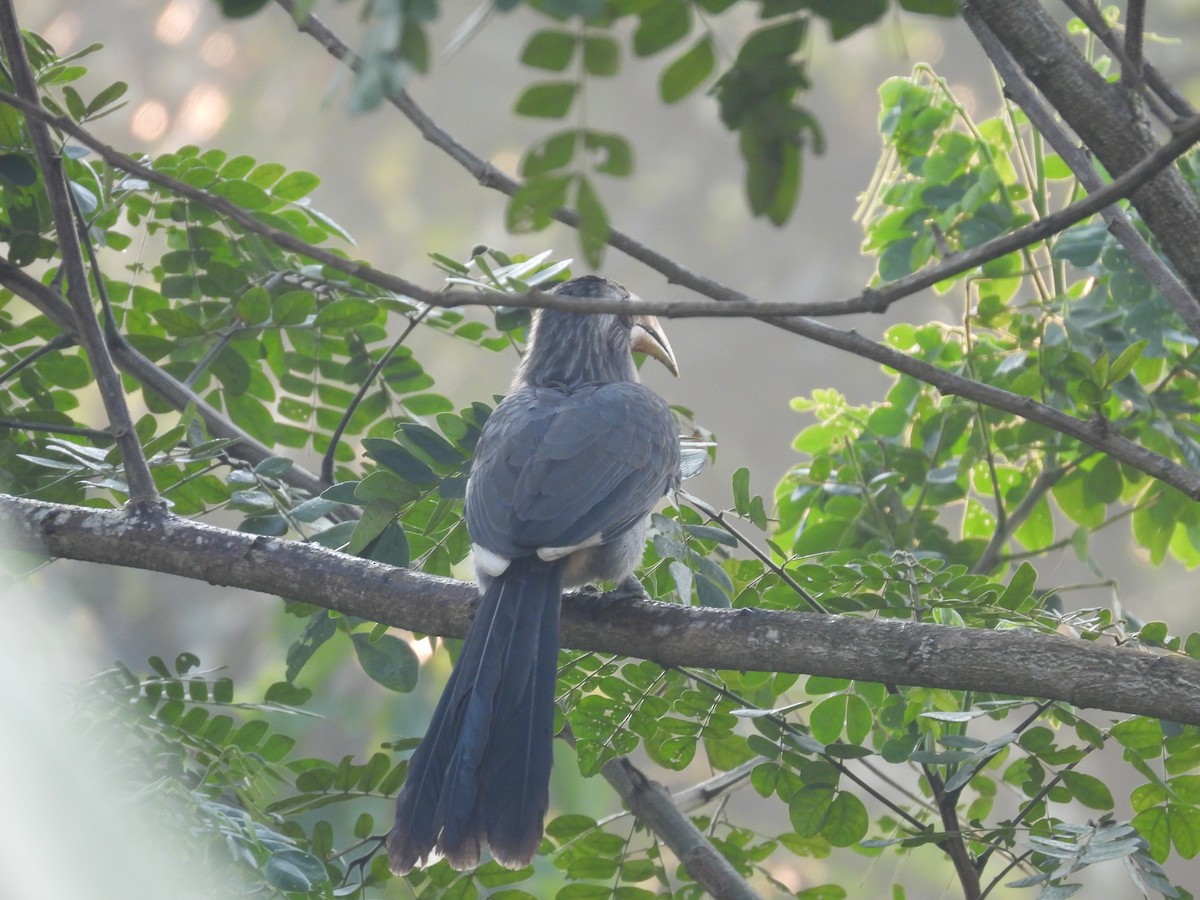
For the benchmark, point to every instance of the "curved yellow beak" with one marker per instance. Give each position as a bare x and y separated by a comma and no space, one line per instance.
648,337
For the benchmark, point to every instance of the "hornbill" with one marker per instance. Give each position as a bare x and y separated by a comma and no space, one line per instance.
565,474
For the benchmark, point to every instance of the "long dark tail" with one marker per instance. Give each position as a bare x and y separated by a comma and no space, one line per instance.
481,776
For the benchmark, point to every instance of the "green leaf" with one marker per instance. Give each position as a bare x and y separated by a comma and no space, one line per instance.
531,208
351,312
242,193
601,55
1088,790
1185,829
18,170
254,306
387,660
110,94
1154,825
809,808
391,454
240,9
1020,587
319,628
1125,362
376,516
274,467
846,822
549,100
593,222
293,307
295,185
688,72
611,153
427,404
552,152
550,50
662,25
391,547
1081,245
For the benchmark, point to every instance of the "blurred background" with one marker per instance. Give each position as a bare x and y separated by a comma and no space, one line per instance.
259,87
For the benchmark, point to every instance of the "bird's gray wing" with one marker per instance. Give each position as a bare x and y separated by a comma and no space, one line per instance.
557,468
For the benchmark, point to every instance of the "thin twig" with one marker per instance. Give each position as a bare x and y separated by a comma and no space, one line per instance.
1090,15
784,725
719,517
335,438
77,430
58,342
1041,485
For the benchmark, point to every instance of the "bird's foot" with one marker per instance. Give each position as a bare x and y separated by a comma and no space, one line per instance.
629,590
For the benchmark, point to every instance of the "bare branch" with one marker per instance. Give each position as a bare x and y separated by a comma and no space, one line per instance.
732,303
1135,27
1089,14
1096,433
1024,663
870,300
652,804
137,473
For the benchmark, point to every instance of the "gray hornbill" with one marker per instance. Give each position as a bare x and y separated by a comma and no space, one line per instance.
565,475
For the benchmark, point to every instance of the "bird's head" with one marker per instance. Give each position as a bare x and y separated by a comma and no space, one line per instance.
568,347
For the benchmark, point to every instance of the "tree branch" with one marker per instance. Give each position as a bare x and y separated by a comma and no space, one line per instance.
1048,666
870,300
1105,121
731,303
653,805
1096,433
1090,15
1017,87
137,473
131,361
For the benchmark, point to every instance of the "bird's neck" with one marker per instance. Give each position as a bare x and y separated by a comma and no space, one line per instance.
572,349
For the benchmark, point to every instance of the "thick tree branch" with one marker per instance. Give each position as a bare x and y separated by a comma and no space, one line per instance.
137,472
1024,663
1105,121
1018,88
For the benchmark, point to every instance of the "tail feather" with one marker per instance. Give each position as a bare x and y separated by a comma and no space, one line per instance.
515,773
481,775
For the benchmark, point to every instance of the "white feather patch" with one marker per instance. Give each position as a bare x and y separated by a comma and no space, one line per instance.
492,563
551,553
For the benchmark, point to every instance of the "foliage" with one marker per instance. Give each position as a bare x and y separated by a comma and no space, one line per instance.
921,507
758,92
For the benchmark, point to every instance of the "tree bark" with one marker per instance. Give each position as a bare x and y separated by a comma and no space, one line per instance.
1018,662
